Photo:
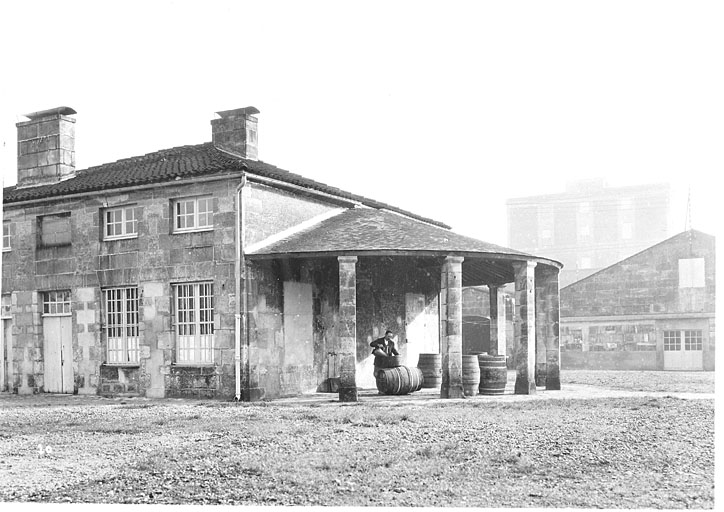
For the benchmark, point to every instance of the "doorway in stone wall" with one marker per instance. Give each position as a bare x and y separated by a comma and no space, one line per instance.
57,342
683,349
422,327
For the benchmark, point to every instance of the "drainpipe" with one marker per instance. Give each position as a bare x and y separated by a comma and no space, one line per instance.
240,307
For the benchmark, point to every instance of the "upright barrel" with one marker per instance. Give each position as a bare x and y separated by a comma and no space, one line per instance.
493,374
431,367
400,380
388,361
471,375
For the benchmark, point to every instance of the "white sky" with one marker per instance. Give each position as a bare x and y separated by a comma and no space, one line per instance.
442,108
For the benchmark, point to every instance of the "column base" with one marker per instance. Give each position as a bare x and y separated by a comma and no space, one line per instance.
540,374
452,392
524,387
348,394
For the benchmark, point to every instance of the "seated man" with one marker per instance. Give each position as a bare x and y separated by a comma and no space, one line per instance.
384,346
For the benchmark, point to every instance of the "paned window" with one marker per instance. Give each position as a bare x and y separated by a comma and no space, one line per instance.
6,236
693,340
56,303
194,322
121,325
120,223
6,304
55,230
193,214
672,340
691,273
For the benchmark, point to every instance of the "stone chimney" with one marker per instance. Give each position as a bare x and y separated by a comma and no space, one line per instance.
235,131
46,147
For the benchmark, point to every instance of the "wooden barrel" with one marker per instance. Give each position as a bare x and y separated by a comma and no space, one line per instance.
388,361
431,367
493,374
471,375
399,381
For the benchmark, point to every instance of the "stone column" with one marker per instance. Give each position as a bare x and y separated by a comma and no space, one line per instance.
347,327
451,307
551,316
525,327
541,335
498,340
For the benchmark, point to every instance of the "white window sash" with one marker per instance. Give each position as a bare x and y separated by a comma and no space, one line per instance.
194,323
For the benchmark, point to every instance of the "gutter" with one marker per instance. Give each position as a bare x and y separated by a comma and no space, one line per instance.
240,302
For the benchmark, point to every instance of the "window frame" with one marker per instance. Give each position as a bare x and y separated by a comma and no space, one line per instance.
7,237
61,299
192,315
692,273
42,235
122,349
176,215
123,222
672,340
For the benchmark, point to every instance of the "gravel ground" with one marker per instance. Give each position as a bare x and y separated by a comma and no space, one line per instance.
626,452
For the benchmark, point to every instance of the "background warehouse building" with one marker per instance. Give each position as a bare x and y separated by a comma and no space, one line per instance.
652,311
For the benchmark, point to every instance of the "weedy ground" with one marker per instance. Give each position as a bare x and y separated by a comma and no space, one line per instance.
644,451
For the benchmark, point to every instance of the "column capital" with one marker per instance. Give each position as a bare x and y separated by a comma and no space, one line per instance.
454,259
347,259
530,265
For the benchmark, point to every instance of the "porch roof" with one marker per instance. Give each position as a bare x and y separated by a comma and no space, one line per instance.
368,231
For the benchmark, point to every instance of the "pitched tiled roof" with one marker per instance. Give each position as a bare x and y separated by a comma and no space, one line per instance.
359,230
178,163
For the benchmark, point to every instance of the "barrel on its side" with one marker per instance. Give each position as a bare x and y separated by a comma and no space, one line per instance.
493,374
399,381
471,375
431,367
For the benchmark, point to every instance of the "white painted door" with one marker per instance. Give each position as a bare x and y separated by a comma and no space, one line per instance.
421,327
58,354
298,324
683,350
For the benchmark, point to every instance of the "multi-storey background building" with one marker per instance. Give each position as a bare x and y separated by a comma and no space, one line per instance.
589,226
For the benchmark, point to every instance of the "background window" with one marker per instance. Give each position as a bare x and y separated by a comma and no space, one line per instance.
6,236
691,273
56,303
194,322
693,340
120,222
672,340
55,230
192,214
121,325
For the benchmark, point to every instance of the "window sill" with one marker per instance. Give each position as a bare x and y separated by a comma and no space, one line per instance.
193,365
200,230
123,365
7,249
124,237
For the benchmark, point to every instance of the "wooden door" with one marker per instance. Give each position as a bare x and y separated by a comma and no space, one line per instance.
58,354
421,328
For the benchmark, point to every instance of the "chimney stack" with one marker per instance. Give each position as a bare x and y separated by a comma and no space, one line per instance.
235,132
46,147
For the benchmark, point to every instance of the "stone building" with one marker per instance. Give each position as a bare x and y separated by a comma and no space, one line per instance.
589,226
652,311
201,271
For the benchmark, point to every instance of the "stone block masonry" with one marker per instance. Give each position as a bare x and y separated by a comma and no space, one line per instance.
152,261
